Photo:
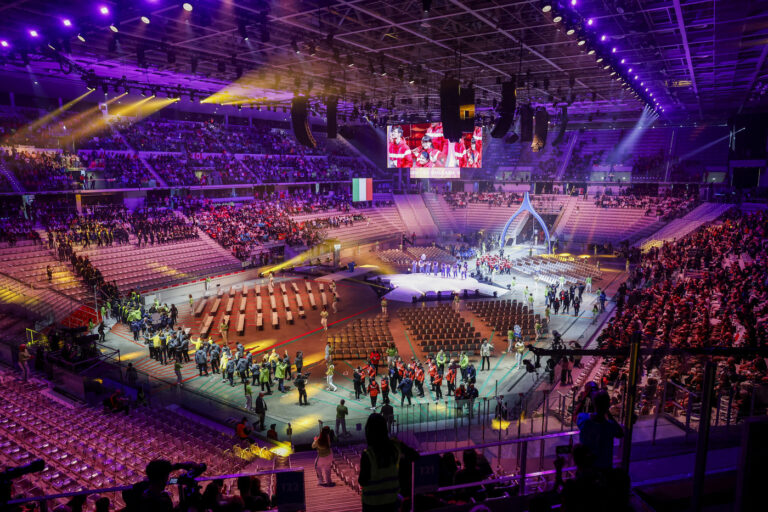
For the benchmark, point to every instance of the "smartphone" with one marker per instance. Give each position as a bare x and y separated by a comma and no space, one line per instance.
174,480
563,449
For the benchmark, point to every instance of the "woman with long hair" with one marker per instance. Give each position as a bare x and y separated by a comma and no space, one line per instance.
322,444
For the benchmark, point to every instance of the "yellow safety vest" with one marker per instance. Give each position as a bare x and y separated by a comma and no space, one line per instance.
384,485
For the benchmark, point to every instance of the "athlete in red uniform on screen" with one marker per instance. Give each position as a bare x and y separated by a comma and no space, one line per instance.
473,156
439,142
398,152
426,155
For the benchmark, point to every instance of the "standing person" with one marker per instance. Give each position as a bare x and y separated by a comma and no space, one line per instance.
437,386
328,353
131,375
391,353
191,302
602,298
450,378
587,287
384,307
231,372
341,418
565,372
248,395
597,431
406,390
510,340
379,468
177,371
595,313
280,375
373,393
264,380
463,364
260,409
24,357
384,388
485,354
299,361
519,349
322,444
456,301
389,414
357,382
201,359
301,387
441,358
329,377
324,318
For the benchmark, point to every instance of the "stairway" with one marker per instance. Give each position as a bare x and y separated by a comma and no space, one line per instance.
15,185
446,220
678,228
415,215
339,498
160,182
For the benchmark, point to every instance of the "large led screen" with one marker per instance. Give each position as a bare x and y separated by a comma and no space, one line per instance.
422,146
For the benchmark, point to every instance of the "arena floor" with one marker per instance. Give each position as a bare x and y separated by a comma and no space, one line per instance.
204,394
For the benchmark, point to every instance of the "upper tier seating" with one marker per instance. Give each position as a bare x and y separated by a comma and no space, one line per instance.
590,223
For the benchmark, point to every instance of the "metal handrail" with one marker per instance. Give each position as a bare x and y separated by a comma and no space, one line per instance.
523,474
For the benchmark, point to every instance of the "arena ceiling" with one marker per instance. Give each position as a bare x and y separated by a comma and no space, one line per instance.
700,60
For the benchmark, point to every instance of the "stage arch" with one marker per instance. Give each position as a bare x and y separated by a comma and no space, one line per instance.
526,206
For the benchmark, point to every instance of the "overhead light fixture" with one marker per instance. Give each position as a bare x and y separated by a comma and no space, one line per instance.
426,5
591,21
187,6
80,38
350,62
557,19
591,51
606,66
622,61
145,20
599,60
629,70
4,43
33,33
383,71
547,7
66,22
635,77
613,50
603,37
582,42
113,28
104,10
570,31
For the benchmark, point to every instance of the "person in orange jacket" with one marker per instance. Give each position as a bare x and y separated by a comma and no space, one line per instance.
385,389
437,384
420,380
450,378
373,392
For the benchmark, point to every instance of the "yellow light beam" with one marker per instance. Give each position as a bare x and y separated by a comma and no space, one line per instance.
76,121
47,117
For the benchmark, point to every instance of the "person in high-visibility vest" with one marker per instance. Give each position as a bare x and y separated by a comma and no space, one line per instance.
463,363
441,358
329,377
379,467
373,392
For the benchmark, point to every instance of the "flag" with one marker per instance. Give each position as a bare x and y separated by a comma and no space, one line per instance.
362,189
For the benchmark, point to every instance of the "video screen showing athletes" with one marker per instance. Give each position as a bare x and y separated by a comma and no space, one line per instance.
423,146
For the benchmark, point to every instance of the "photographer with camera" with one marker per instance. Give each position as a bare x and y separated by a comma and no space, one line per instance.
151,495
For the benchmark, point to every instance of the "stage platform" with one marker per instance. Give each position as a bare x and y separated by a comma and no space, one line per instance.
346,274
407,286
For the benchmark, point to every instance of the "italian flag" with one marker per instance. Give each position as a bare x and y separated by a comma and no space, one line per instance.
362,189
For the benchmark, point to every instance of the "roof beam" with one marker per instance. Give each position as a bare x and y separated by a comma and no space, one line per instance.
760,64
687,49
